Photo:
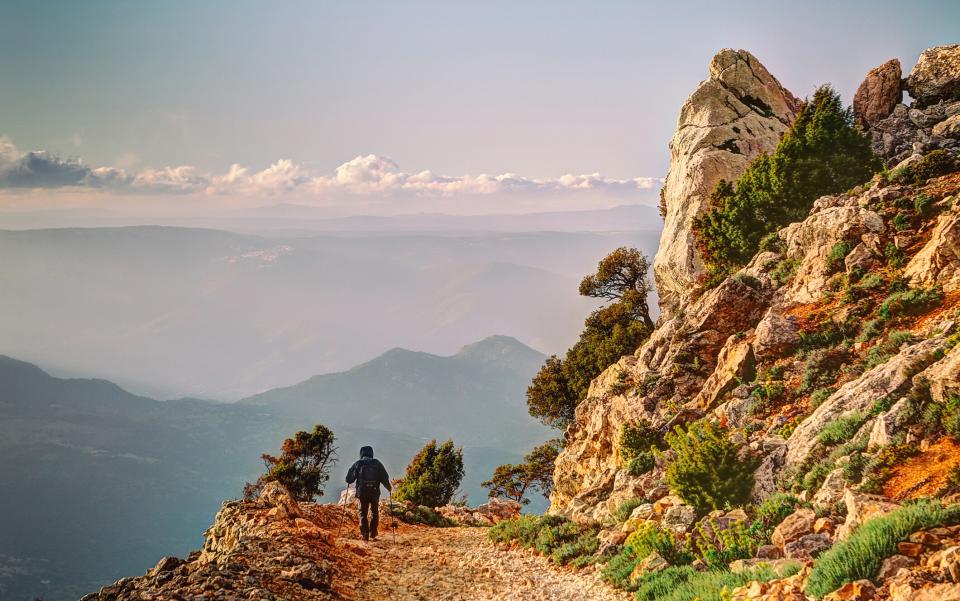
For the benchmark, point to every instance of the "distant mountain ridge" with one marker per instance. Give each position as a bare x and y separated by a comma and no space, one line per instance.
465,396
107,481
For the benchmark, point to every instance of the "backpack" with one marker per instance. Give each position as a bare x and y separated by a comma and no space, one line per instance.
368,478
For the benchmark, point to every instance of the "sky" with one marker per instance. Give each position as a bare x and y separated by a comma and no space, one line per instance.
381,107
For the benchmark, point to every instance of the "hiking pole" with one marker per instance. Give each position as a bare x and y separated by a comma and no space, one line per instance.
342,504
393,517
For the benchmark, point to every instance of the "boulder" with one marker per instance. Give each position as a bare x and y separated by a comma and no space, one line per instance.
878,94
948,562
651,563
861,258
735,363
938,262
936,76
950,128
807,547
892,565
283,506
889,423
944,376
860,508
738,112
831,490
776,335
859,590
679,518
793,527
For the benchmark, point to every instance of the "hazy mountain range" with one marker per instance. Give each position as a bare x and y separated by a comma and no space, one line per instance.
107,482
194,312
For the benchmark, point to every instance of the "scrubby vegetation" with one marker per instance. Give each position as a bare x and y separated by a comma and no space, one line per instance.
433,476
636,445
514,481
823,152
303,466
610,332
687,584
418,514
862,554
563,541
710,471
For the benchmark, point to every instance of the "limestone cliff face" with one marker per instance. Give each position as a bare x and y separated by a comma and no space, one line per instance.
702,358
738,112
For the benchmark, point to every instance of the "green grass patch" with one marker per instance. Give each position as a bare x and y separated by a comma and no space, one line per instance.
686,584
860,556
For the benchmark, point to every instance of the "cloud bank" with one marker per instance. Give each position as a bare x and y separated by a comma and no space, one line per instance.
364,175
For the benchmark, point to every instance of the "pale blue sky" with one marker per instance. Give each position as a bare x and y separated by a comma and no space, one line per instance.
538,89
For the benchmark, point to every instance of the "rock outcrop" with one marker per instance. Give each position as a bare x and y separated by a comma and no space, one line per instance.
738,112
936,76
879,93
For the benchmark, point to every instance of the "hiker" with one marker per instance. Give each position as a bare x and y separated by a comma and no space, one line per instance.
369,474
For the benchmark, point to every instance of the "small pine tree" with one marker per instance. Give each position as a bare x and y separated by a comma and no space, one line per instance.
433,476
513,481
609,333
303,466
823,152
708,472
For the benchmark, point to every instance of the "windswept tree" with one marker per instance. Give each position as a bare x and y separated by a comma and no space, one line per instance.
433,476
303,466
514,481
610,332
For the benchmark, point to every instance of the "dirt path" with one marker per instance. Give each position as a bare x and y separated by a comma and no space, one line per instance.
459,564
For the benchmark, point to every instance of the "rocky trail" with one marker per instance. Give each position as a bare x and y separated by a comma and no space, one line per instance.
460,564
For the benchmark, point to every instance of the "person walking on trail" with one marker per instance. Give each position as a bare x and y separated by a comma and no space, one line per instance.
369,474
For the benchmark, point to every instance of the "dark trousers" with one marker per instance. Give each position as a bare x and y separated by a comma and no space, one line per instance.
373,506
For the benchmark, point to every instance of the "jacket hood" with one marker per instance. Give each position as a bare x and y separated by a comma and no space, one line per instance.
366,452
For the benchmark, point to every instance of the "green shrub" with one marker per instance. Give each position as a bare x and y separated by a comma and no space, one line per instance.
841,429
828,334
785,270
860,556
821,368
910,302
900,222
618,569
418,514
838,252
636,438
923,205
871,281
772,242
775,508
880,353
687,584
933,164
624,509
894,255
820,395
871,329
558,538
433,475
649,538
641,464
707,471
718,547
823,152
748,280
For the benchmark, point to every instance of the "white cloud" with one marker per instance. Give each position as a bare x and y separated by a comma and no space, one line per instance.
365,175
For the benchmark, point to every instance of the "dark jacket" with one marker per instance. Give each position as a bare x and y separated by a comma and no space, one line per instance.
372,466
